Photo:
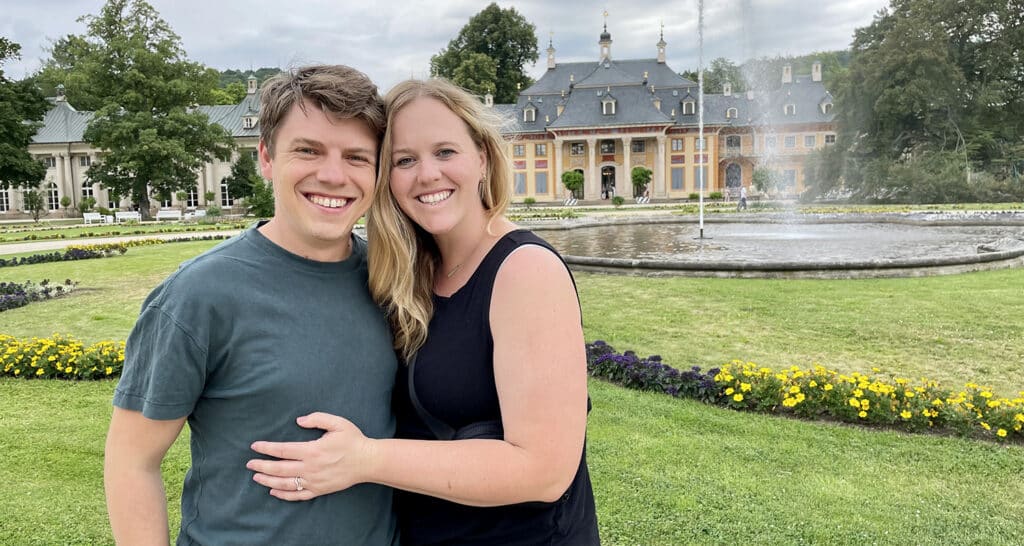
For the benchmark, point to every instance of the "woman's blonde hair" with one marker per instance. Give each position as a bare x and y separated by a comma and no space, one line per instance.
402,256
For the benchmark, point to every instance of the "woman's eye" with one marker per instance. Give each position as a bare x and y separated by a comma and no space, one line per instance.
403,162
445,153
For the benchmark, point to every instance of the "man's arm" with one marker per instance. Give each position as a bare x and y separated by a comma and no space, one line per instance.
136,502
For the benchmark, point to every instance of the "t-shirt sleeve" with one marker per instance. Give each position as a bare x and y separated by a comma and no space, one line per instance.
165,367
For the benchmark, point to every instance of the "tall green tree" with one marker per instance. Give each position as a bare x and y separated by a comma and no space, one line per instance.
131,64
22,107
243,178
504,36
932,84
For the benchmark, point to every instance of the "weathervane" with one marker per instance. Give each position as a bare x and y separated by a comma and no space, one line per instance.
606,18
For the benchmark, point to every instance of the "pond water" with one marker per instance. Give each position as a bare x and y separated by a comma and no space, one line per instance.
748,243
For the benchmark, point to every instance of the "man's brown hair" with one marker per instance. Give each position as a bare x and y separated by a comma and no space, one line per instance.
339,91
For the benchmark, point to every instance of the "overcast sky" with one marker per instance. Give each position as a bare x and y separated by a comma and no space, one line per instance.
392,40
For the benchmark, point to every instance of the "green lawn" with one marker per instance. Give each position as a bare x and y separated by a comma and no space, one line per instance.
665,471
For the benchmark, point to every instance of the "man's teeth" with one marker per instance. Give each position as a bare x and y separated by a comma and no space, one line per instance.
328,202
432,198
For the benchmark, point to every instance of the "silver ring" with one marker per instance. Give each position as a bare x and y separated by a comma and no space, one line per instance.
298,484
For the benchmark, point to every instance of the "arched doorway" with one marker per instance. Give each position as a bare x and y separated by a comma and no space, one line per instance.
733,180
607,182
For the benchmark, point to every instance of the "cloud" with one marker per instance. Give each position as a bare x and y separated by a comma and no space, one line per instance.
391,40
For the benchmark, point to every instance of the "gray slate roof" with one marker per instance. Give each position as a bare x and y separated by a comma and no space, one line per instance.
633,106
230,116
61,124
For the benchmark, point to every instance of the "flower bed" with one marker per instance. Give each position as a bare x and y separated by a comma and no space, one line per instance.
820,393
60,357
35,235
71,253
14,295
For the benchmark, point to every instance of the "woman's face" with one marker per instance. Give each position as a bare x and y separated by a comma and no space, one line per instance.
436,168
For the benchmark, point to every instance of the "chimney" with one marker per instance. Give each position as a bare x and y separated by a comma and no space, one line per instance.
661,46
551,54
488,100
787,73
727,89
60,93
657,103
816,71
251,84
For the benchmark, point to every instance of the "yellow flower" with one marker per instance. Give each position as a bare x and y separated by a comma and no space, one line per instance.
109,370
908,394
986,426
794,389
858,393
729,391
738,397
876,370
828,386
39,371
854,402
812,384
865,405
745,387
862,414
906,414
1001,433
1019,417
986,394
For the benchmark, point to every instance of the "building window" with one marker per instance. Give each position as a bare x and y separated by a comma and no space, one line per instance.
689,108
520,184
541,183
576,148
700,177
790,141
540,150
700,143
529,115
770,142
789,179
809,141
518,150
52,197
113,201
677,144
732,141
225,198
165,202
830,139
84,161
607,146
677,179
790,109
87,190
826,108
49,162
638,146
5,200
731,113
248,122
255,155
608,107
193,197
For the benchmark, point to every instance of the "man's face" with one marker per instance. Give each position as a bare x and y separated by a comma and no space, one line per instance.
323,171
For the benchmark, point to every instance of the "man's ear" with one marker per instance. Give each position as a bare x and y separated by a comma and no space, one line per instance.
266,165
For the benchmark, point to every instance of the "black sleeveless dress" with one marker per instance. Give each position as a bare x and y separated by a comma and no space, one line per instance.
454,378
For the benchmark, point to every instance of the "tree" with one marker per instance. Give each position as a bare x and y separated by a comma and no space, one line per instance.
573,181
132,65
261,202
641,177
65,203
930,81
477,73
232,93
35,204
243,178
22,107
766,180
502,35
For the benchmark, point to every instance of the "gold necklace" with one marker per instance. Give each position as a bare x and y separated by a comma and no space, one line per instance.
454,270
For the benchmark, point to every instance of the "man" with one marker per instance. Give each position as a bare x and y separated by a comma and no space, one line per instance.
742,205
268,326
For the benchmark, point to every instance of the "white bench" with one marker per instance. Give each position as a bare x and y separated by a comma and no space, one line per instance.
90,217
168,214
123,216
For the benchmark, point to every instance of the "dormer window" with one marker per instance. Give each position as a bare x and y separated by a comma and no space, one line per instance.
608,106
689,108
790,109
529,114
249,122
826,108
731,113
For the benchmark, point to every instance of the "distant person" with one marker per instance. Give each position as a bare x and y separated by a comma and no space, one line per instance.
487,318
270,325
742,205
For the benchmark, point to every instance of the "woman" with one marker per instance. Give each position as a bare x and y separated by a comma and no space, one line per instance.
488,318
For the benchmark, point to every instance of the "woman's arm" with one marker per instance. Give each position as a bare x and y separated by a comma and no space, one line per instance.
540,373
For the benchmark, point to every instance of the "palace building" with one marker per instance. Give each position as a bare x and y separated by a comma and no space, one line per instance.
601,118
605,117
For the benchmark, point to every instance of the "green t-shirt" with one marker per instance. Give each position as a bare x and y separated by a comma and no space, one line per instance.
243,339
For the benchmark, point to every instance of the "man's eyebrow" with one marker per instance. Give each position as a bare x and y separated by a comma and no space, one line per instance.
300,141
